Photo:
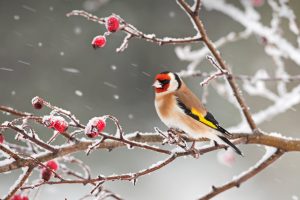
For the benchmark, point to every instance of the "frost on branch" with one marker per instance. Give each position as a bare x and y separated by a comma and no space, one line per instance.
36,153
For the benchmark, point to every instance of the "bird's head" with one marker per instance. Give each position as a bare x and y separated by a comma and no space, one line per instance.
166,82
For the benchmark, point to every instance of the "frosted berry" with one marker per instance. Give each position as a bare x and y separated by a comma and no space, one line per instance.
37,102
112,24
52,164
56,122
1,138
46,174
99,41
101,124
60,125
16,197
95,126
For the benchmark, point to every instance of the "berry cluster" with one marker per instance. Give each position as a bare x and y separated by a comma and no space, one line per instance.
56,122
19,197
46,172
112,24
95,126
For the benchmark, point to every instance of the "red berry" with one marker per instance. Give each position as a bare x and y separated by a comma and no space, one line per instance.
99,41
95,126
1,138
25,198
101,124
16,197
56,122
37,102
60,125
46,174
112,24
52,164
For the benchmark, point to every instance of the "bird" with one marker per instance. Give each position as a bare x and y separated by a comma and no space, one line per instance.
179,108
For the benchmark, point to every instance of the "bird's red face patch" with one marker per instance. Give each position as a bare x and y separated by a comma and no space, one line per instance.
163,80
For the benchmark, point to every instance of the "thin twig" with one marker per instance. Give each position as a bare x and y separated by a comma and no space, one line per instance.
232,82
133,32
236,182
20,183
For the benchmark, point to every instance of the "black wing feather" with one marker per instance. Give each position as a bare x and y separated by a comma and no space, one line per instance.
211,118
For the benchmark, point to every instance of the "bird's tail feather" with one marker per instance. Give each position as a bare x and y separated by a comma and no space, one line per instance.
224,139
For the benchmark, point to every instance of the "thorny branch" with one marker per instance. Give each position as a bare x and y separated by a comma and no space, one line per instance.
133,32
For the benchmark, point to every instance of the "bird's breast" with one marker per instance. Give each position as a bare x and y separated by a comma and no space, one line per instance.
174,117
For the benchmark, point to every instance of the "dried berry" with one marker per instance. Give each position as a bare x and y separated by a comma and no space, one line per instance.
46,174
92,134
37,102
112,24
99,41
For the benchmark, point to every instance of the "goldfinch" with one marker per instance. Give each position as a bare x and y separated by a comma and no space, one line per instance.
179,108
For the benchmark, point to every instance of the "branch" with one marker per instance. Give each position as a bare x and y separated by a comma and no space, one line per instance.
285,144
19,183
133,32
220,72
241,77
236,182
232,82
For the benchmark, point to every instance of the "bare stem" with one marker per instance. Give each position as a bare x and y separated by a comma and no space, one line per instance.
244,177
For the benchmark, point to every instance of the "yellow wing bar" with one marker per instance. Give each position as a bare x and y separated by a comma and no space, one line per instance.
202,119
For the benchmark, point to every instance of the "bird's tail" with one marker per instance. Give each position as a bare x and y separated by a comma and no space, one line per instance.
224,139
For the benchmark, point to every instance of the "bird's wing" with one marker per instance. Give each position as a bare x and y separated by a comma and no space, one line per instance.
192,107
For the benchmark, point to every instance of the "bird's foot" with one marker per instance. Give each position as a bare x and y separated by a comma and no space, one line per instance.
174,137
194,152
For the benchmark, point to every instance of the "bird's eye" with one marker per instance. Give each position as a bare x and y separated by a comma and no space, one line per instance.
165,81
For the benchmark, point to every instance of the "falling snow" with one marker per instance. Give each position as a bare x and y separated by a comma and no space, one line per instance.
146,74
171,14
40,44
113,67
16,17
71,70
110,85
26,7
62,53
24,62
130,116
6,69
116,97
77,30
78,93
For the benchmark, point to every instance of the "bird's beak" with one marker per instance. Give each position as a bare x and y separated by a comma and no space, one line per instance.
157,84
